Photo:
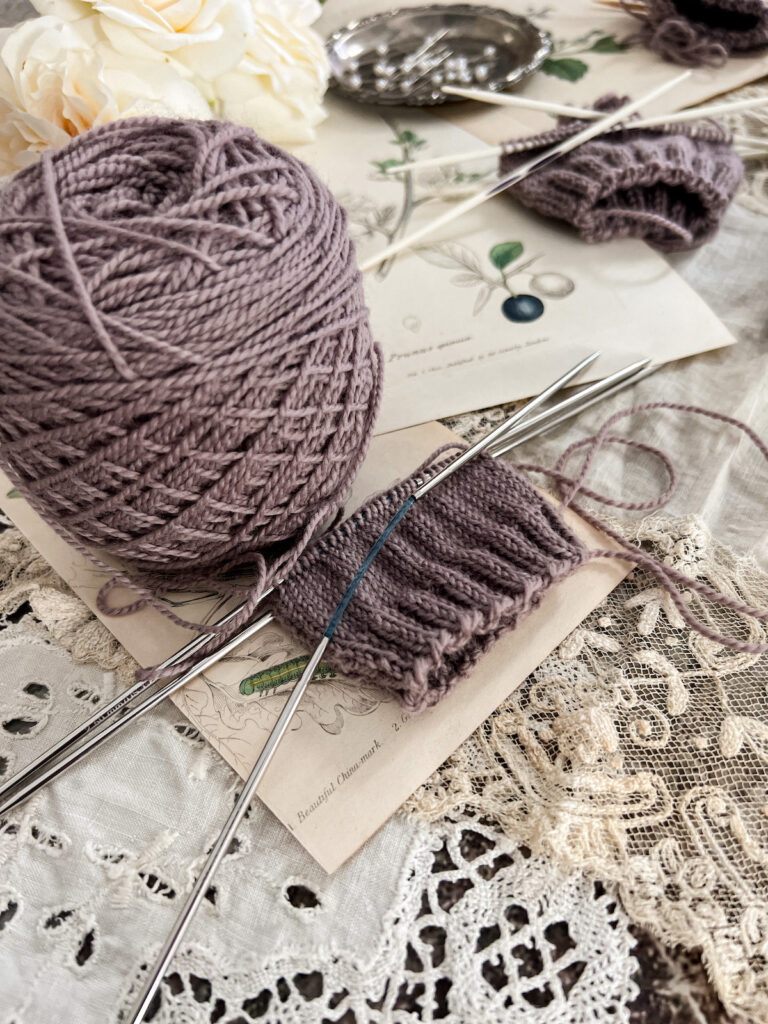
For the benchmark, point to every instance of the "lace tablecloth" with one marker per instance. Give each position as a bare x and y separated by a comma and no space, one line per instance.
612,810
444,915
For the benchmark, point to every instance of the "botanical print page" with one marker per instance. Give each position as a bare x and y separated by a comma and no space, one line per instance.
480,312
352,755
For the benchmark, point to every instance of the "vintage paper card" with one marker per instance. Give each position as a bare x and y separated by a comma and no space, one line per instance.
479,313
353,756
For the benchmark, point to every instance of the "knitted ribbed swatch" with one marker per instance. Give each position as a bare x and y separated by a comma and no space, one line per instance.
701,32
669,187
188,379
468,562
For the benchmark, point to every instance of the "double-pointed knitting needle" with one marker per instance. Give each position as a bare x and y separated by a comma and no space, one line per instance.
44,770
503,99
512,99
570,407
547,157
632,6
248,792
680,117
117,705
24,786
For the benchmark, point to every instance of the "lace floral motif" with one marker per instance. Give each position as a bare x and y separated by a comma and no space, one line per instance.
451,921
27,579
638,752
477,931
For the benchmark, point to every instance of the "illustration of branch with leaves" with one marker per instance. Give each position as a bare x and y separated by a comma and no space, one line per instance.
518,306
391,220
565,60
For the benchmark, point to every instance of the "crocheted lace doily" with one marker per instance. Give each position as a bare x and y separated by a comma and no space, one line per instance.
449,921
638,751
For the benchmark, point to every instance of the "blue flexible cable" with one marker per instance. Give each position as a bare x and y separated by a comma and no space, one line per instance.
379,544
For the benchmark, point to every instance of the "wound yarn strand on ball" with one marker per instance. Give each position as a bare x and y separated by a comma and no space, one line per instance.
188,381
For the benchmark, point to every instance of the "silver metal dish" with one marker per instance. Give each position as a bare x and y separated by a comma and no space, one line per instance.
405,56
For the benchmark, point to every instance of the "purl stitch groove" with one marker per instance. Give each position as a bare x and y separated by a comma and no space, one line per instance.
669,186
468,562
188,381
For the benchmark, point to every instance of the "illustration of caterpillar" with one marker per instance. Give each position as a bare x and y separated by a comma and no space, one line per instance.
286,672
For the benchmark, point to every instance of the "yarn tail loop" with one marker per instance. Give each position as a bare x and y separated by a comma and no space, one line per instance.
669,578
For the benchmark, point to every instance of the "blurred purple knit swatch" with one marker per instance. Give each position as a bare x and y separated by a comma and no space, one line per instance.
668,186
704,32
466,564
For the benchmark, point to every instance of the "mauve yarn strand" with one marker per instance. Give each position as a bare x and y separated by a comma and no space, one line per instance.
188,381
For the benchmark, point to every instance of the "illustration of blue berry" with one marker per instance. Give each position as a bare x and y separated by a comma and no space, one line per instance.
521,309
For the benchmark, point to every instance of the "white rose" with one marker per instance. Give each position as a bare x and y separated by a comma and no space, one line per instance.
58,80
301,12
207,36
277,88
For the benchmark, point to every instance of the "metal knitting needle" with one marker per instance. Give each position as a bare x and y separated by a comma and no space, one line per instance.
95,740
114,707
689,114
570,407
542,160
512,440
284,720
19,786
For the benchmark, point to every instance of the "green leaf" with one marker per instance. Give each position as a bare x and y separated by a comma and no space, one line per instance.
408,138
608,44
504,253
460,177
567,68
14,493
383,165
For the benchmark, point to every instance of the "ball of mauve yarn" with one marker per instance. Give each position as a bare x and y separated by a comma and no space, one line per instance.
187,373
